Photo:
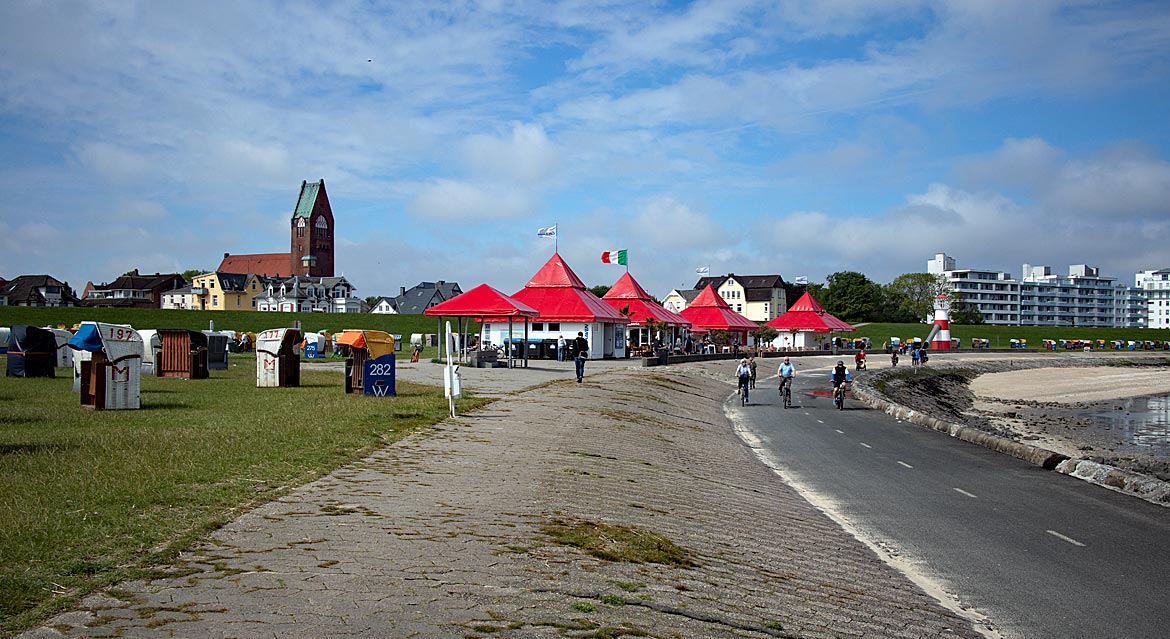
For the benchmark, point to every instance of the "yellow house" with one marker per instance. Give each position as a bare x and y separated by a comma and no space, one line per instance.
760,298
225,291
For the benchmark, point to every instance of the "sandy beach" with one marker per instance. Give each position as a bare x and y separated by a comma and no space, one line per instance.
1054,407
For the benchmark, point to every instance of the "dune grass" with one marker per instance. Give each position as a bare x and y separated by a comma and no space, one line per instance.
89,498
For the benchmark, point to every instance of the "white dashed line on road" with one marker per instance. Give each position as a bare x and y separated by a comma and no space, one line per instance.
820,422
865,444
839,431
905,464
963,492
1064,538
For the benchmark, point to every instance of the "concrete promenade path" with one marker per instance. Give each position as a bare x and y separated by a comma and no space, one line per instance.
443,534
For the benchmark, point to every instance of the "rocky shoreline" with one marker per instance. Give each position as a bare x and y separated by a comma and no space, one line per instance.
1067,428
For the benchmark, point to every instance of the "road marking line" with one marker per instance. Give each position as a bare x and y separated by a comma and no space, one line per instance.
963,492
839,431
1063,537
865,444
820,422
905,464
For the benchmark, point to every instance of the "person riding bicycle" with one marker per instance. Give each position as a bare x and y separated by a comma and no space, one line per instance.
841,378
786,372
859,359
744,373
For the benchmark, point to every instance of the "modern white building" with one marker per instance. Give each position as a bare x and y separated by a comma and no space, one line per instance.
1156,285
1039,298
995,293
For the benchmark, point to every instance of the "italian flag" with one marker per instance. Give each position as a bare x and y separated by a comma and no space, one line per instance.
614,257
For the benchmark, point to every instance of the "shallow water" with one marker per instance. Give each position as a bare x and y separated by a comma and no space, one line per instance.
1142,422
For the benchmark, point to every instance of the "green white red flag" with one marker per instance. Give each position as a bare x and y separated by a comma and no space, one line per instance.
614,257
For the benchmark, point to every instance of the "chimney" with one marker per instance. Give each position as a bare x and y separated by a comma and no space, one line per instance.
225,255
401,291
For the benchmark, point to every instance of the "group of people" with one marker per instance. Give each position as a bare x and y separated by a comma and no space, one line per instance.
745,373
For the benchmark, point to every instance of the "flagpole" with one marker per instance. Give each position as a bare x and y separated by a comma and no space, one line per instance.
557,239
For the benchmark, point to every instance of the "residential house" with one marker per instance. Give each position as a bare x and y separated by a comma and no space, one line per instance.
37,290
132,290
1156,284
760,298
224,291
677,300
307,294
424,296
384,306
180,299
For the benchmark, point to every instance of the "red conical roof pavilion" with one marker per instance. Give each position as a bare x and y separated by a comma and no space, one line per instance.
807,316
561,296
626,292
709,311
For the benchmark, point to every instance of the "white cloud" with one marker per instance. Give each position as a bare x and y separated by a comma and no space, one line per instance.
526,157
462,201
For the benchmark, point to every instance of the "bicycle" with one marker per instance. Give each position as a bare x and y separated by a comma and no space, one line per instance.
786,391
839,396
743,390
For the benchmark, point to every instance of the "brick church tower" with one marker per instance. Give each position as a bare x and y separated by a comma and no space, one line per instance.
312,232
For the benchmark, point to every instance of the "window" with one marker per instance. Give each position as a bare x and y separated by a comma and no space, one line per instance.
214,301
538,326
554,326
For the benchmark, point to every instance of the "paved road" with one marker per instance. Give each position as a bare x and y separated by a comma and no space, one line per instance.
1039,553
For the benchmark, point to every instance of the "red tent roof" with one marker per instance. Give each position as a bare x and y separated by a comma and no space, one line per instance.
561,296
626,292
808,316
711,312
482,301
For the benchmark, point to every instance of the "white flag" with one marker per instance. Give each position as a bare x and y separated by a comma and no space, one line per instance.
800,280
703,270
549,232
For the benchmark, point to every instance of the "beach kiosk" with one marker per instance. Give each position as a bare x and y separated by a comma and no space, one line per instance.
32,352
370,366
182,354
278,362
111,378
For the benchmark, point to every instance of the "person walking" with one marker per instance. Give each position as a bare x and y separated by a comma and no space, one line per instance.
581,345
560,348
752,365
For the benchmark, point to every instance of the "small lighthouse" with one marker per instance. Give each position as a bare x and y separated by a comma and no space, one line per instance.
940,336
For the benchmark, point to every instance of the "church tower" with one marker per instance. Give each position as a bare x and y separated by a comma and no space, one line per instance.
312,232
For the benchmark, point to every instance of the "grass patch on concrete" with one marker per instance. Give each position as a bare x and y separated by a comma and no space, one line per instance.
89,498
619,543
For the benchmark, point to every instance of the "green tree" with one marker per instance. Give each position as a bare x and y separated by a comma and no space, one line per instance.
851,296
964,313
914,295
599,290
764,335
191,273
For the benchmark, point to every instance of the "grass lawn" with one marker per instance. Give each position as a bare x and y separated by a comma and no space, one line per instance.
90,498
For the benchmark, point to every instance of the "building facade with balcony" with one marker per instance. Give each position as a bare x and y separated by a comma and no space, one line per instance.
1156,286
995,293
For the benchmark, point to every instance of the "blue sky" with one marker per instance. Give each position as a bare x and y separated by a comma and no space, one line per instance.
798,138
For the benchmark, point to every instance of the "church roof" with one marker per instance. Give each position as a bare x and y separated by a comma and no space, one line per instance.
268,264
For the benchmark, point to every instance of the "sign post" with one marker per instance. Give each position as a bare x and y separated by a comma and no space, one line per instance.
452,386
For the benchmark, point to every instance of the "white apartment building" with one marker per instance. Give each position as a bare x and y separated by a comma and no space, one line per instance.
1083,298
994,293
1156,285
1039,298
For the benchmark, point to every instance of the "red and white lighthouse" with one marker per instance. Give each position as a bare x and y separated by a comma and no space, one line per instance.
940,336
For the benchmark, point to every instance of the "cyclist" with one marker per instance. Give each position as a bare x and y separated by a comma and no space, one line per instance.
744,373
786,372
840,379
859,360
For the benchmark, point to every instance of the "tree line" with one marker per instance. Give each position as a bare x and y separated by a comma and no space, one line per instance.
909,298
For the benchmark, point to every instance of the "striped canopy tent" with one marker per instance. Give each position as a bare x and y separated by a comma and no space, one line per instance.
482,302
629,298
710,312
805,322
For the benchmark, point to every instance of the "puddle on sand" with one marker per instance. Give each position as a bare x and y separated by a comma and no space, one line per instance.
1142,422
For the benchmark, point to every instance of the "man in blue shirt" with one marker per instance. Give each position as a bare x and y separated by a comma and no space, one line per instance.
786,372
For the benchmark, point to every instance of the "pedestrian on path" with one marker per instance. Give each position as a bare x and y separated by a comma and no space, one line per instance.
560,348
581,345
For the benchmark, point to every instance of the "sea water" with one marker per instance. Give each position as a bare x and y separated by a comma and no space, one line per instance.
1142,422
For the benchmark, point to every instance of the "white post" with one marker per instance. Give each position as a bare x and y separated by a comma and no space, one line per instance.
452,387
